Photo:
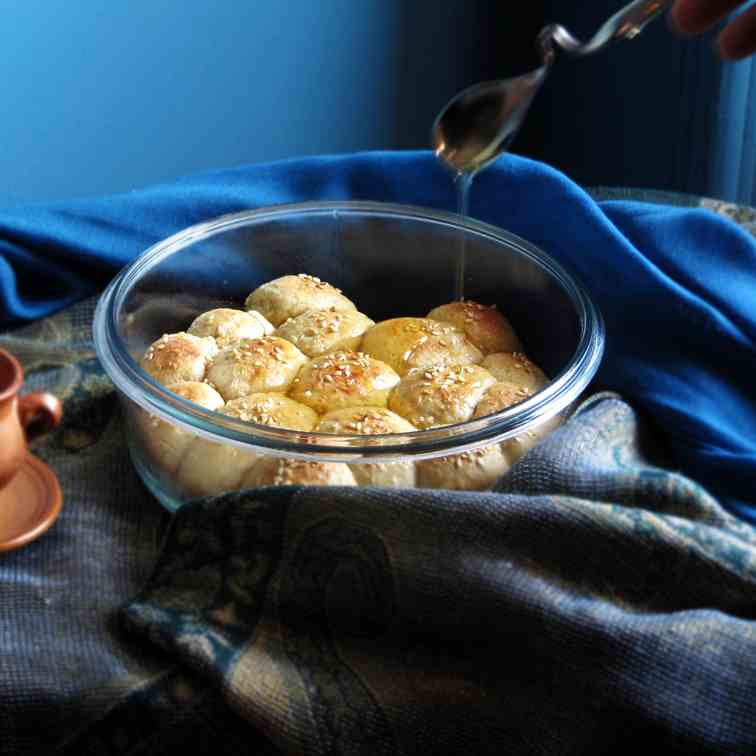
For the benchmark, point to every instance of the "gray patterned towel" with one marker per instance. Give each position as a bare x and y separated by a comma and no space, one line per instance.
596,599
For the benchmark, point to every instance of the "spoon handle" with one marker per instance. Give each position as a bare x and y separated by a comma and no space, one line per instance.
625,24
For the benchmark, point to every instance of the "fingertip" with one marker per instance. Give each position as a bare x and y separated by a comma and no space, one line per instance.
738,39
673,21
680,19
727,50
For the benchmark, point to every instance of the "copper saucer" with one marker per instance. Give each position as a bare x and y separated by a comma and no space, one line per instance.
29,504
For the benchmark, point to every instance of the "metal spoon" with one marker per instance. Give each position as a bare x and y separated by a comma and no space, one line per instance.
479,123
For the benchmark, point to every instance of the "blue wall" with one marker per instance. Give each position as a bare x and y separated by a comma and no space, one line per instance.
105,96
102,96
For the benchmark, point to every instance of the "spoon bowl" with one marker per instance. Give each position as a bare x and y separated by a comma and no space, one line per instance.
479,123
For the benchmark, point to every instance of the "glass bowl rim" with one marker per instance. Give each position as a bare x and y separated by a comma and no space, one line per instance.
133,382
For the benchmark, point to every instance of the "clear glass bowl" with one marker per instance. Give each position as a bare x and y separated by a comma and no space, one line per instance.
391,260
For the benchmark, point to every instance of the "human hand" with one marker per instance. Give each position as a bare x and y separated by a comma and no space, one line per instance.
737,40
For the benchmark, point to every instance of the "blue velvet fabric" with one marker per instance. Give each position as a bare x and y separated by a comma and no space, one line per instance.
677,287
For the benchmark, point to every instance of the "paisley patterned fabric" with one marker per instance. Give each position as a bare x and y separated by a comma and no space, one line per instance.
596,598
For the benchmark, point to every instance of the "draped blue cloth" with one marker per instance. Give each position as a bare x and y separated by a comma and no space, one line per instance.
677,287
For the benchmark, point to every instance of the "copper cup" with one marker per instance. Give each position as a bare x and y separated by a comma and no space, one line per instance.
22,418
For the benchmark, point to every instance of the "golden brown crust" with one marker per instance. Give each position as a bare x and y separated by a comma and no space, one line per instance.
178,357
343,379
483,325
273,409
432,397
515,368
253,365
317,332
500,396
289,296
364,421
410,373
198,393
226,325
514,448
469,471
166,443
278,471
210,468
372,421
385,474
407,343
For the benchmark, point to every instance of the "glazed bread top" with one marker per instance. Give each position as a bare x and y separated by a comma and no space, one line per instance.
226,325
274,409
444,395
407,343
249,366
178,357
289,296
344,379
517,369
364,421
483,325
329,368
317,332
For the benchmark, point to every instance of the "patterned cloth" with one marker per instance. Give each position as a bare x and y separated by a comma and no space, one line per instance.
595,599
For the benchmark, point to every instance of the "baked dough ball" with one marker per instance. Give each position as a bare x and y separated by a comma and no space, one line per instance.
289,296
502,395
178,357
469,471
372,421
483,325
279,471
317,332
226,325
165,442
210,468
516,447
406,343
343,379
249,366
274,409
438,396
517,369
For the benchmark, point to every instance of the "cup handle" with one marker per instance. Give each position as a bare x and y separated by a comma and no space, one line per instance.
39,414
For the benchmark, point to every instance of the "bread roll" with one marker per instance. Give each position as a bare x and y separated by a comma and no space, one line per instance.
274,409
517,447
178,357
372,421
289,296
166,443
279,471
484,326
438,396
407,343
469,471
515,368
502,395
343,379
226,325
317,332
210,468
252,365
